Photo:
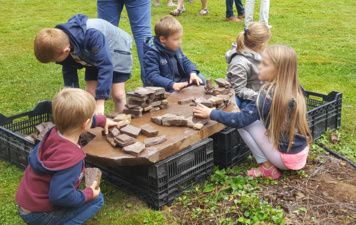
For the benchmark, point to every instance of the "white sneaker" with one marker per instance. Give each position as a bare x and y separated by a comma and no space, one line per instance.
183,10
157,4
269,26
171,5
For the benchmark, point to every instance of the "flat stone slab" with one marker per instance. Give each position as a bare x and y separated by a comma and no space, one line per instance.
155,140
100,151
91,175
134,149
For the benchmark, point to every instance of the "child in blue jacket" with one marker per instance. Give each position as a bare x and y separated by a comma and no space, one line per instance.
103,49
164,62
48,192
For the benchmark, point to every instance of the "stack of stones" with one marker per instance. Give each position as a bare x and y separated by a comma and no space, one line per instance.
172,120
126,136
146,99
42,129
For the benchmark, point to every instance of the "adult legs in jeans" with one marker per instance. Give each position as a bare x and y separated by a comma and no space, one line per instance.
139,12
261,147
67,216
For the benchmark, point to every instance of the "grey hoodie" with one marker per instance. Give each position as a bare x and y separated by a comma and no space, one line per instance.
242,72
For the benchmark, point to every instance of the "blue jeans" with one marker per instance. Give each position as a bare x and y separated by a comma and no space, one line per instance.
67,216
139,12
241,103
230,8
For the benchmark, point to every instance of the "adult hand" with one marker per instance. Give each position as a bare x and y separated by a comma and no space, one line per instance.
179,86
194,77
96,189
202,111
99,109
110,123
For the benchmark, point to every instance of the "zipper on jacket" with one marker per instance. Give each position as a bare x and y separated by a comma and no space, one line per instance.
122,52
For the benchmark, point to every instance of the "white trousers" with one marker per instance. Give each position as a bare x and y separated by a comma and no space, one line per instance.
264,11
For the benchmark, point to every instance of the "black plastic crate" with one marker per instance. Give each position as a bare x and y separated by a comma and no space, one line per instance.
15,148
324,111
227,139
160,183
230,157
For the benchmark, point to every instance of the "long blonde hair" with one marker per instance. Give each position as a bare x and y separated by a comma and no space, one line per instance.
282,88
253,36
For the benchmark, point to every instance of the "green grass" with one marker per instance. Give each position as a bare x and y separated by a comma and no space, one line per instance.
323,32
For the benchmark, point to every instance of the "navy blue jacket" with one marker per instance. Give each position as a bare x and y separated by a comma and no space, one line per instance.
250,114
93,47
157,63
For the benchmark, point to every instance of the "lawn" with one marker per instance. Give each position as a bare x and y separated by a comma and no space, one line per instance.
323,33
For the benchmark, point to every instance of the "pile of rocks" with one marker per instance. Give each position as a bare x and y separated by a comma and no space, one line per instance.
223,87
126,136
42,129
146,99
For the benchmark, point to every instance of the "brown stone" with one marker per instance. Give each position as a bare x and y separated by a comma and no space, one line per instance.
124,140
122,117
200,124
91,175
148,130
40,128
133,94
190,122
204,101
174,120
222,83
155,109
164,106
156,103
143,91
218,91
31,137
158,90
209,84
139,99
164,102
155,140
123,123
133,106
157,120
225,97
133,112
134,149
185,101
114,131
148,108
112,115
47,126
131,131
136,104
111,140
209,92
165,95
216,100
193,104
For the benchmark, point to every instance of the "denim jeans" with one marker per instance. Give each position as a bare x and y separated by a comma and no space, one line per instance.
139,12
230,8
241,103
67,216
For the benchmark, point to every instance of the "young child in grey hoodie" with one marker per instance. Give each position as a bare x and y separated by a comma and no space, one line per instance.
244,58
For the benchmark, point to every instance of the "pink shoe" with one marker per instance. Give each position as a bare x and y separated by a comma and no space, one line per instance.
264,172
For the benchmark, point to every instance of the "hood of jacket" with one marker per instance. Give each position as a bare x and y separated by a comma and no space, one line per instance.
75,28
153,44
248,54
55,153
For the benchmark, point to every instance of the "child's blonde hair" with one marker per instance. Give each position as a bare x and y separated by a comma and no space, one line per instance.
282,88
49,44
71,107
253,36
167,26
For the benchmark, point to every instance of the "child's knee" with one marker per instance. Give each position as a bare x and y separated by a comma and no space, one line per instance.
119,96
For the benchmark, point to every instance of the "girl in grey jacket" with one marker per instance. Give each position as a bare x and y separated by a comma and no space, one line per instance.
244,58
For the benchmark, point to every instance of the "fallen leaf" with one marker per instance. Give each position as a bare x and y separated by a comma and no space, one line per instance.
342,163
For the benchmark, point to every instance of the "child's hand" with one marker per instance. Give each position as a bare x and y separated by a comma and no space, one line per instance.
202,111
179,86
110,123
194,77
96,189
99,110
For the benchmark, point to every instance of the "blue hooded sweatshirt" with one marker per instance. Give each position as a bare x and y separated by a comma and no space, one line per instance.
97,42
163,67
51,180
250,114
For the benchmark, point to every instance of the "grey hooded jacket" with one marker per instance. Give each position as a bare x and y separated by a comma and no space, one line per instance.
242,72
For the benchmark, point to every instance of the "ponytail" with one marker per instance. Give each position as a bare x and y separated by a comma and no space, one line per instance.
240,45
